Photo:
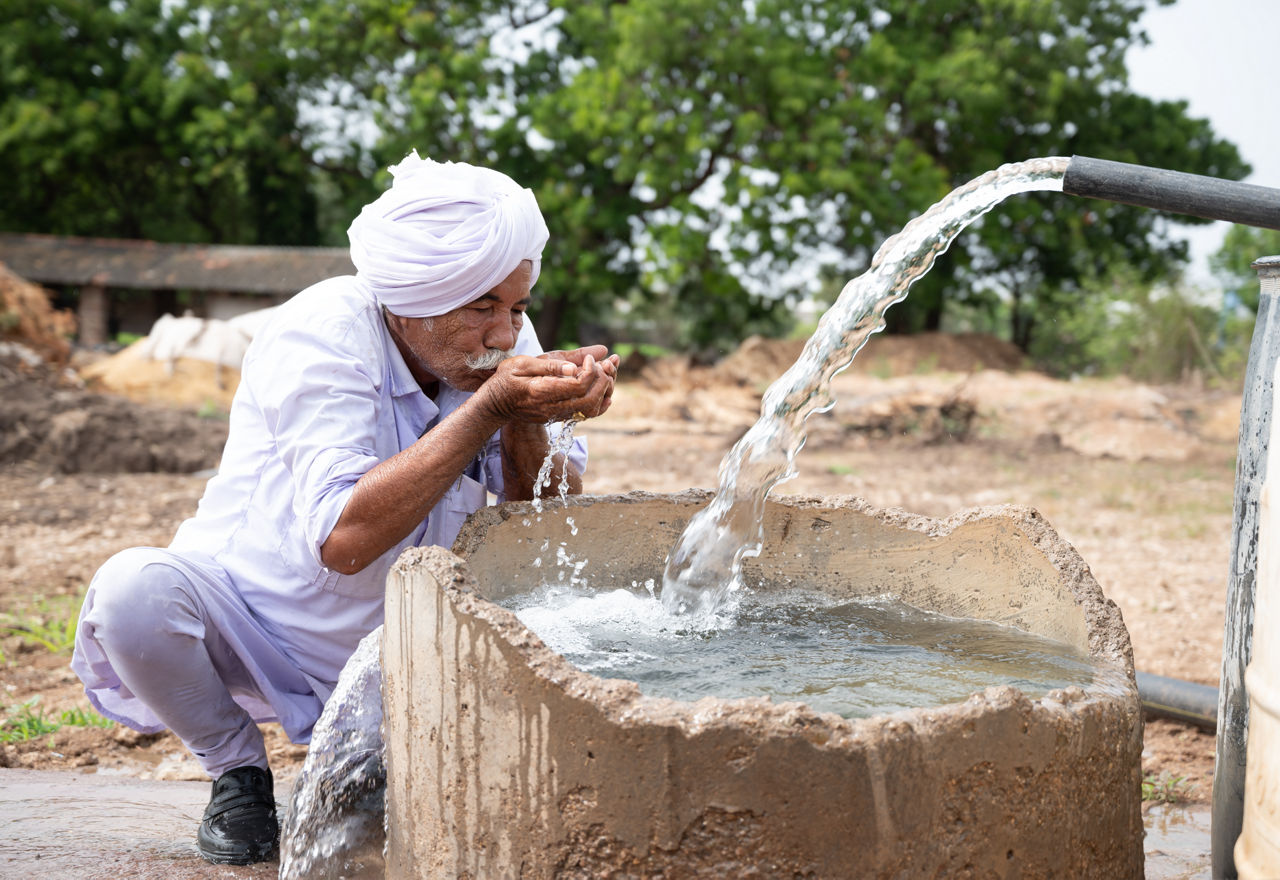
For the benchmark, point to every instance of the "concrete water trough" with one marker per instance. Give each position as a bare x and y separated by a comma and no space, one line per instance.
504,760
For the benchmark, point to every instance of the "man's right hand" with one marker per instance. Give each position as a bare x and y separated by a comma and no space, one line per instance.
550,388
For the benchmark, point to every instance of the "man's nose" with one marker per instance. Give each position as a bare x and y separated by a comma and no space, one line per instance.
501,333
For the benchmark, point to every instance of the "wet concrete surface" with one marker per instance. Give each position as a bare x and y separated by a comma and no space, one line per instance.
1177,844
66,824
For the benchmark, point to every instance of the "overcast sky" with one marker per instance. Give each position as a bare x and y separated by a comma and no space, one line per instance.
1220,56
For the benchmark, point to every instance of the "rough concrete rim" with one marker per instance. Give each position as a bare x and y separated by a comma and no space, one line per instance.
622,701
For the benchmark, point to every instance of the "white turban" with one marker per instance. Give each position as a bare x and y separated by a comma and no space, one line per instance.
443,235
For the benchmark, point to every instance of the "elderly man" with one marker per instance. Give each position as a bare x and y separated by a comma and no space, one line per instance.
374,413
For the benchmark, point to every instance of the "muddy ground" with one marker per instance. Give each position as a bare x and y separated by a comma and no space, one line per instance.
1138,478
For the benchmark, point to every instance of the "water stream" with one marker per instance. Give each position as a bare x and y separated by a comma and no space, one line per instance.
560,444
704,568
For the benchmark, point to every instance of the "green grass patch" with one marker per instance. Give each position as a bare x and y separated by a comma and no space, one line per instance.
46,624
1115,500
29,721
880,368
210,409
25,722
79,717
927,364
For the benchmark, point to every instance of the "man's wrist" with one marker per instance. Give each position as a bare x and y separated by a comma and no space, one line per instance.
525,433
488,412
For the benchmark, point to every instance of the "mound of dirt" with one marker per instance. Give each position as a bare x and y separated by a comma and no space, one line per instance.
184,381
727,394
758,361
923,416
50,423
26,317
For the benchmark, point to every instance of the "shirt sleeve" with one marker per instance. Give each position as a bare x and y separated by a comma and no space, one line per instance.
320,396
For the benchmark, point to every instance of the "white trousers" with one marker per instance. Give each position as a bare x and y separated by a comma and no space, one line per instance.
162,643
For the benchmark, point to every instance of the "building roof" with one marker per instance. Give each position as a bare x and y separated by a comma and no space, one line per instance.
150,265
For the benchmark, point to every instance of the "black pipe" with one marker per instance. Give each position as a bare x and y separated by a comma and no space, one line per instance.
1180,700
1173,191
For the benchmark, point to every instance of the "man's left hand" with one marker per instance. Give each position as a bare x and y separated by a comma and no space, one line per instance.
594,358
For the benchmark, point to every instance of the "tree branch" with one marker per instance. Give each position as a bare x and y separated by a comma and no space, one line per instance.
532,19
718,152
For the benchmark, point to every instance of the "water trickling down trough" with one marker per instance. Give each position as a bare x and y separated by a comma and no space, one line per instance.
334,823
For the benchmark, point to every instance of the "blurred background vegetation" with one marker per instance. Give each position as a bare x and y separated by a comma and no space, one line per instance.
705,166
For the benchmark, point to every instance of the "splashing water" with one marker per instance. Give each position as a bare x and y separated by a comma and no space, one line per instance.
704,568
560,445
334,826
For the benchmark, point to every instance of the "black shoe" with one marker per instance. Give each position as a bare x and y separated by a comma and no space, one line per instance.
240,826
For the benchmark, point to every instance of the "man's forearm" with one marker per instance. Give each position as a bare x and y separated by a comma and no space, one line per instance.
394,496
524,449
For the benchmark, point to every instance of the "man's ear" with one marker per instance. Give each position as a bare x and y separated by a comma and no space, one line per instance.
394,322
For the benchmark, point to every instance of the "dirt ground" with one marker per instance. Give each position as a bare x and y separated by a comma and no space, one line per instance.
1138,478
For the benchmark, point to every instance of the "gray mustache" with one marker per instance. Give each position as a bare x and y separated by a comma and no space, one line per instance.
489,360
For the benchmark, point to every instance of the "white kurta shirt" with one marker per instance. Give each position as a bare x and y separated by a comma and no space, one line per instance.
324,396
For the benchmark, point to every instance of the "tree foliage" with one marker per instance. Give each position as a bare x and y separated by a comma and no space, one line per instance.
1122,324
1232,265
136,120
706,153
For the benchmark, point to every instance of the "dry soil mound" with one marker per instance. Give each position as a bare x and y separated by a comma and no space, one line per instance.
27,317
48,422
183,381
759,361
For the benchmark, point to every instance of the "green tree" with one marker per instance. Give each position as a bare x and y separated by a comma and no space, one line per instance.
701,149
693,152
1165,332
969,85
150,119
1232,264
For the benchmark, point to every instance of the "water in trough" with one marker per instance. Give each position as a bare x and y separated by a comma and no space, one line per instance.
856,658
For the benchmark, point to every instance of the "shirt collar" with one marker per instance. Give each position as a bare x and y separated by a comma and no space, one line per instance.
402,381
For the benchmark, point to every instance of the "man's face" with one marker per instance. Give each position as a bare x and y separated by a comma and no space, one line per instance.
454,347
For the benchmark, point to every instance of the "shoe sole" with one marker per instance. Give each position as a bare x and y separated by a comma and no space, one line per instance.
250,856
